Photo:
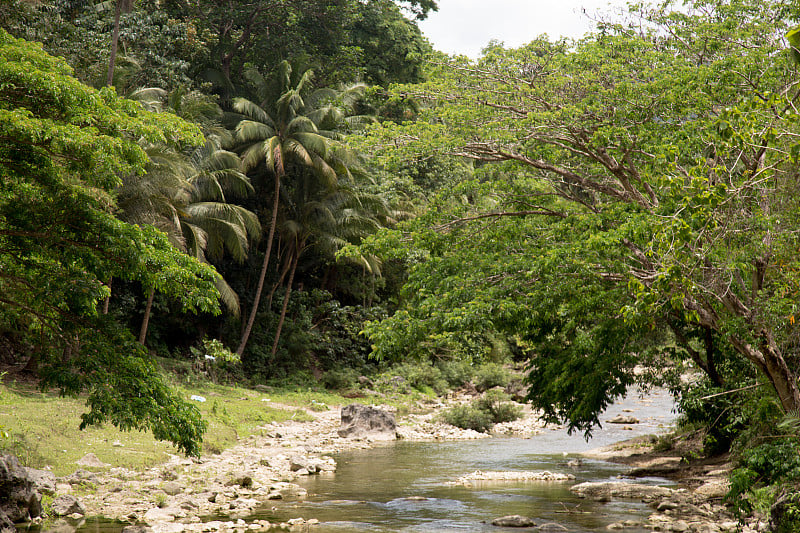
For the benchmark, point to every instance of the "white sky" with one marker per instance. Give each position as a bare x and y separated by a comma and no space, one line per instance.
466,26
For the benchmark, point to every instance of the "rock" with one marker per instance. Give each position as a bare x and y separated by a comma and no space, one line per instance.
619,489
679,526
620,419
544,475
91,459
364,381
6,525
139,528
43,481
81,476
172,488
513,521
717,488
366,421
517,390
19,500
243,479
298,463
551,527
66,505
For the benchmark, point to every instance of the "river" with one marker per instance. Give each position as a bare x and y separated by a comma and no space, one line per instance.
403,486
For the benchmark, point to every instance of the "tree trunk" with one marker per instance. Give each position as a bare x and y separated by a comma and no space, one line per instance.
277,284
108,298
114,44
146,319
285,303
254,309
772,364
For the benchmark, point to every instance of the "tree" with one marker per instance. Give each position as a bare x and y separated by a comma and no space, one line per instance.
283,130
667,147
63,147
185,197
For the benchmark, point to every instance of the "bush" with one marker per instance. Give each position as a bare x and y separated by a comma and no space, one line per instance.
480,415
456,372
491,375
764,465
340,379
497,404
422,376
468,417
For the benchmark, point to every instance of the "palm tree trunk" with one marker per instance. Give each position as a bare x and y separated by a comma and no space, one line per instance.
114,44
146,319
285,303
254,309
277,284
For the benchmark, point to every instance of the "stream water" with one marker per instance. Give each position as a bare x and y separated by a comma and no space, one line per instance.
403,486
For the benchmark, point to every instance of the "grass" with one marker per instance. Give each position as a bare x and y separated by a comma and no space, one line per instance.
43,427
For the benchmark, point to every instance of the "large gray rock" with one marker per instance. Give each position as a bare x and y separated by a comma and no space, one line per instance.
66,505
19,500
43,480
365,421
619,489
513,521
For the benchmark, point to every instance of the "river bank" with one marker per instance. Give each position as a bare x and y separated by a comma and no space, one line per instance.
180,494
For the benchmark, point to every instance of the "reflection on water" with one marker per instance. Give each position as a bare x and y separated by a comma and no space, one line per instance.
403,486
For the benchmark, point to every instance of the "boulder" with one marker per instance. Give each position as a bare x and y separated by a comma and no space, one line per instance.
66,505
621,419
138,528
619,489
20,501
365,421
43,480
715,488
551,527
172,488
513,521
91,459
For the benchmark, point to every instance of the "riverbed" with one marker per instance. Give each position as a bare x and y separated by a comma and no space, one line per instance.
407,486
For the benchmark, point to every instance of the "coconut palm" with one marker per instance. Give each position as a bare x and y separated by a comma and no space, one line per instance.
187,198
288,131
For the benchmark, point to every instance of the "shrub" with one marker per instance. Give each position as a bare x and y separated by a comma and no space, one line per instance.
496,403
480,415
468,417
767,464
344,378
491,375
422,376
456,372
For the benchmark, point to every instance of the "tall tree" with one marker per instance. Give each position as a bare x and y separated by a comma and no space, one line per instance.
62,147
280,131
668,146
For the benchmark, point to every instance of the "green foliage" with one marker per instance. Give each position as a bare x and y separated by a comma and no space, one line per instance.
63,146
468,417
422,376
339,379
491,375
456,372
760,469
496,403
481,414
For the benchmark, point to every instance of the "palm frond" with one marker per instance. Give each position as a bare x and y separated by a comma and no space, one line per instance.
252,111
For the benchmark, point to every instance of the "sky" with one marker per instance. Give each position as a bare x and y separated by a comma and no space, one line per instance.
466,26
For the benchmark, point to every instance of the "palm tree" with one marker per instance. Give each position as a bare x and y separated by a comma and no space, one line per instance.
326,218
285,130
186,197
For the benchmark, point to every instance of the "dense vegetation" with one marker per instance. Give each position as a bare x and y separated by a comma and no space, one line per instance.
323,193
